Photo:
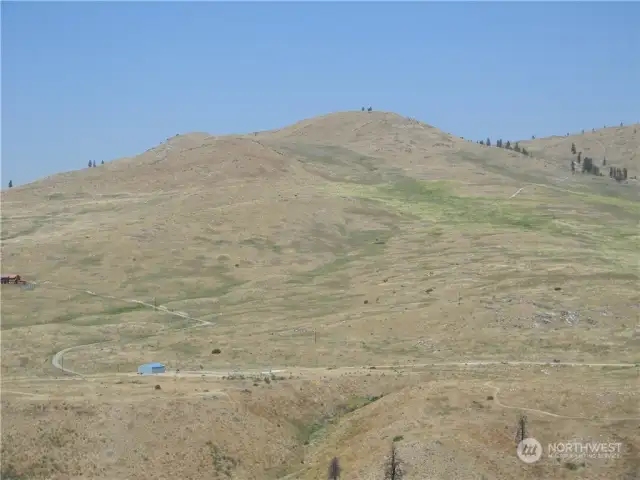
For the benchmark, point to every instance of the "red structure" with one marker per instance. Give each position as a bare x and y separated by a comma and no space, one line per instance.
15,279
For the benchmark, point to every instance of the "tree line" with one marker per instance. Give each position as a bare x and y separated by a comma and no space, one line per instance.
508,146
588,166
91,164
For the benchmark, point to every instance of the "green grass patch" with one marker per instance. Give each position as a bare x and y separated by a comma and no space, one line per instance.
11,231
312,432
323,270
339,164
92,260
261,243
437,201
356,246
124,309
314,305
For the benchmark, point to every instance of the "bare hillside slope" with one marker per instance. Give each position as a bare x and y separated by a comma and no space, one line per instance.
620,146
400,283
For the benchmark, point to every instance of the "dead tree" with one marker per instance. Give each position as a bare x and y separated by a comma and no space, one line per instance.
521,433
334,469
393,468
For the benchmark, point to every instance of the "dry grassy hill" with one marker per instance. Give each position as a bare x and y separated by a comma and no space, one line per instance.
619,145
360,253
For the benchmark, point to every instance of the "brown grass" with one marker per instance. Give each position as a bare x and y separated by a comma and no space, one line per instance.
353,239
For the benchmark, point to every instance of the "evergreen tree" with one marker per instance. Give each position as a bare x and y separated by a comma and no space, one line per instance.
618,174
10,183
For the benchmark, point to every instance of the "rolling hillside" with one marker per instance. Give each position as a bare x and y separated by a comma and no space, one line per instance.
342,242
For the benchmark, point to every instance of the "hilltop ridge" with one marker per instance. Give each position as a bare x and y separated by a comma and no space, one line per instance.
375,133
620,146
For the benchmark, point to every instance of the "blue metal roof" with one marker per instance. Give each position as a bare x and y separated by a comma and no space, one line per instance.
153,365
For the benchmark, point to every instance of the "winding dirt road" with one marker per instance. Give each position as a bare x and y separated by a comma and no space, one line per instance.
497,401
57,359
57,362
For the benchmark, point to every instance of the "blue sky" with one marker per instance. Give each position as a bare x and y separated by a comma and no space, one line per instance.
100,81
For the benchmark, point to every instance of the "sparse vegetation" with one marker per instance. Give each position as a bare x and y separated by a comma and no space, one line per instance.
350,257
8,472
393,469
223,464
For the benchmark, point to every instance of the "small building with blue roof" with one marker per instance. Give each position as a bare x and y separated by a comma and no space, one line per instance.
151,368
